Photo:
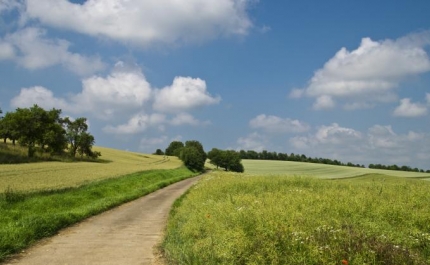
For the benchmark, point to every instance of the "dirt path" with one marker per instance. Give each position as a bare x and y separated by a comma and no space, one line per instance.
124,235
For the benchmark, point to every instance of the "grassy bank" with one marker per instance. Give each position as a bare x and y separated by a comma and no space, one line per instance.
57,175
240,219
28,216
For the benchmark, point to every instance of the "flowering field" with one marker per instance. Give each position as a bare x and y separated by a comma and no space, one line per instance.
54,175
270,167
248,219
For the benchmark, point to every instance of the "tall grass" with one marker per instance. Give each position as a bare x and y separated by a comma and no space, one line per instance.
238,219
26,217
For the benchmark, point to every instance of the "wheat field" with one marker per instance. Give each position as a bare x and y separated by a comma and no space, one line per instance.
56,175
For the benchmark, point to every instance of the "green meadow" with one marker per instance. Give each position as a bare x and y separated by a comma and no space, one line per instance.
39,199
270,167
301,213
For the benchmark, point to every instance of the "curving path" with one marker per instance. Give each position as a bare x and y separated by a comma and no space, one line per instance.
124,235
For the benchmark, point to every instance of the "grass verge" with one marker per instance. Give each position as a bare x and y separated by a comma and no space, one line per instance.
26,217
238,219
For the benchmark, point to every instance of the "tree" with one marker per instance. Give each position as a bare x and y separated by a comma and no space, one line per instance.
85,144
74,132
193,155
215,156
230,160
174,148
9,128
198,146
192,158
32,125
159,152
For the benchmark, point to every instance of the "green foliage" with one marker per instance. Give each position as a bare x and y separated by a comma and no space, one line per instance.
192,158
159,152
35,127
230,160
238,219
26,217
79,140
193,155
174,148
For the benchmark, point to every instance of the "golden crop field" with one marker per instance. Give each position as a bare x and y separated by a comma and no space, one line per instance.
54,175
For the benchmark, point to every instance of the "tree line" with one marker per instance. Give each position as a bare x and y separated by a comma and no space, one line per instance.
194,156
398,168
39,129
266,155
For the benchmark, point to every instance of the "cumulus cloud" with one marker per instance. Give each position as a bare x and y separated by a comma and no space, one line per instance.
138,123
31,49
125,92
409,109
184,94
253,141
184,118
41,96
380,144
274,124
8,5
324,102
7,51
151,144
331,135
369,73
146,22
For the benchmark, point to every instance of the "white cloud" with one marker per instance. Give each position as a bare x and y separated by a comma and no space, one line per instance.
184,118
369,73
428,98
324,102
409,109
253,141
146,22
8,5
380,144
274,124
31,49
7,52
41,96
123,90
151,144
125,93
184,94
138,123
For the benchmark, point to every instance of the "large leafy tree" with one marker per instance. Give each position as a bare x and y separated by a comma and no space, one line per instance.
79,140
230,160
174,148
192,158
193,155
35,126
9,127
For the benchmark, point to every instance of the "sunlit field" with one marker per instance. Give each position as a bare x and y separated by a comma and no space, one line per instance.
249,219
268,167
54,175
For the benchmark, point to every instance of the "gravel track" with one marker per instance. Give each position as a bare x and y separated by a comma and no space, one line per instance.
124,235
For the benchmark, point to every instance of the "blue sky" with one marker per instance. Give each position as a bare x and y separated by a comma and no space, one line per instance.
337,79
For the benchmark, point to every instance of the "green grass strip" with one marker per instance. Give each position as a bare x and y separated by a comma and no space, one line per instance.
239,219
27,217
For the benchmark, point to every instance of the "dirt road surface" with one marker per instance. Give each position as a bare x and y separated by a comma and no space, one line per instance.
124,235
